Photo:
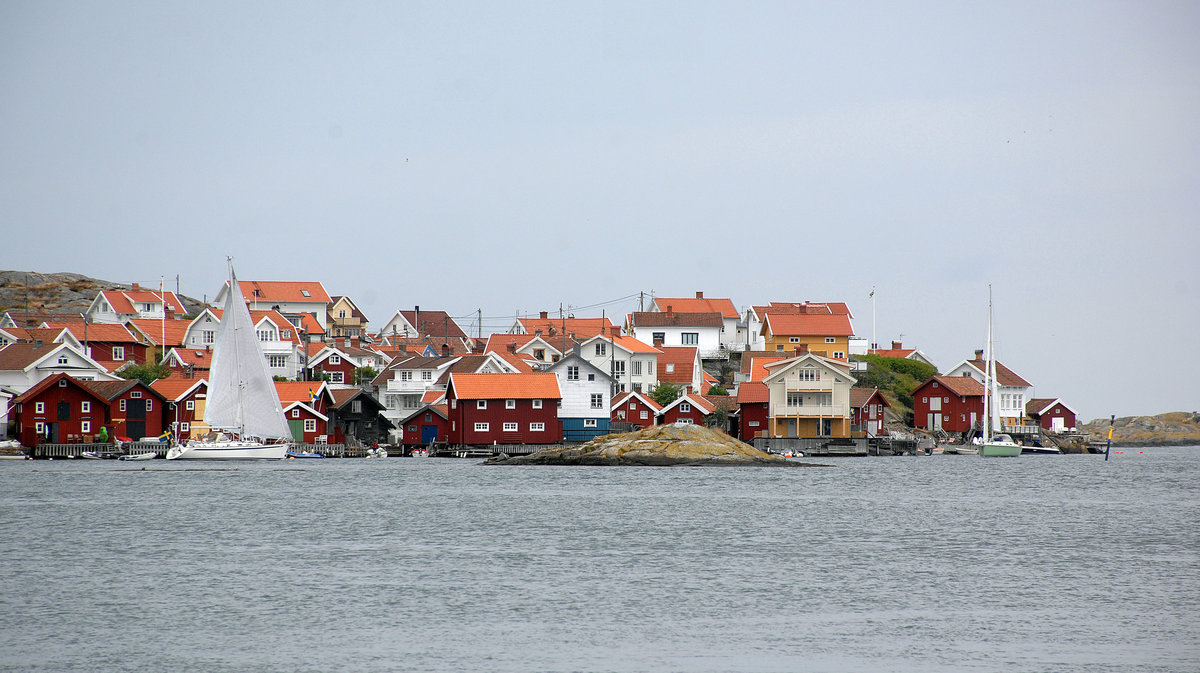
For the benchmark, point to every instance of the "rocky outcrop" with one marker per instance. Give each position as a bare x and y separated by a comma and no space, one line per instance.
658,445
1176,428
55,292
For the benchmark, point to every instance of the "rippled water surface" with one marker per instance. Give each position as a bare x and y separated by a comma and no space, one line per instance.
942,563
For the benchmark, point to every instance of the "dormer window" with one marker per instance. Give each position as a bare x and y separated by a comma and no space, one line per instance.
305,293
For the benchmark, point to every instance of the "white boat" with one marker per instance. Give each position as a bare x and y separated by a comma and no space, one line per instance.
243,406
1050,450
148,455
378,452
999,445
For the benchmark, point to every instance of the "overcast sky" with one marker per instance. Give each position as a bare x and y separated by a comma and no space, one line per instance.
514,157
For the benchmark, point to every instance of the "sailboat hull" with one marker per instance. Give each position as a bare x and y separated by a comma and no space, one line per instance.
999,450
229,450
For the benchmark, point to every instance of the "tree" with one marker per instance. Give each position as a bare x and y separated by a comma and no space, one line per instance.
364,375
665,392
147,373
717,390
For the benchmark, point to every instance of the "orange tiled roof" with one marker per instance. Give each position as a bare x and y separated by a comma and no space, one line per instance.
632,345
582,328
959,385
806,324
621,398
698,305
861,396
298,391
505,386
753,392
98,331
684,359
176,330
810,307
288,291
122,301
174,388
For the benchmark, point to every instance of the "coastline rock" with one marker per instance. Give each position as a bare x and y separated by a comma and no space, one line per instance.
1177,428
658,445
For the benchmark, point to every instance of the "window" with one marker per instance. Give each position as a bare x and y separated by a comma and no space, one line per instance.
62,383
412,428
481,404
276,361
39,428
341,313
62,360
337,377
946,400
795,399
621,415
830,340
510,404
601,348
118,352
572,372
670,367
537,427
481,427
356,407
285,334
305,293
39,407
137,394
85,426
539,354
645,415
684,407
597,401
925,400
405,376
618,369
149,404
190,405
754,424
589,422
208,336
264,335
809,374
335,359
310,425
426,375
637,367
839,354
510,427
537,404
185,426
690,338
85,406
295,413
121,405
794,340
591,377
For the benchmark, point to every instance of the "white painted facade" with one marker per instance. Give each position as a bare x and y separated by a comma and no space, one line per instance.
630,369
1009,400
58,358
706,339
586,389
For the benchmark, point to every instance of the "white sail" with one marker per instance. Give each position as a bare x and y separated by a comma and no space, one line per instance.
241,394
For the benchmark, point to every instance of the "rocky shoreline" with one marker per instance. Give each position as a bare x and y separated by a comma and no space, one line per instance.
1178,428
660,445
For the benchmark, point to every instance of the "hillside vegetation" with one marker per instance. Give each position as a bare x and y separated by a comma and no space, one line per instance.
895,378
55,292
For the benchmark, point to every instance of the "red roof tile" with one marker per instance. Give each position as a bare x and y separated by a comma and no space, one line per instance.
804,324
724,307
505,386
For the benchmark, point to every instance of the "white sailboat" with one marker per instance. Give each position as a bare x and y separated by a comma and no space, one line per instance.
243,406
999,444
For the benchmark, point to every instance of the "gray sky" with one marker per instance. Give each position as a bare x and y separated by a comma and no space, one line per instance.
515,157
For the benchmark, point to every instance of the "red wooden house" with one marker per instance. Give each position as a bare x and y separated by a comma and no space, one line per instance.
504,408
62,409
1051,413
754,402
189,363
687,408
306,407
429,424
950,403
331,361
110,345
636,408
866,412
185,405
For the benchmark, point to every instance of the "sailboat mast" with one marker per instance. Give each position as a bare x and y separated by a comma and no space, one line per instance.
987,375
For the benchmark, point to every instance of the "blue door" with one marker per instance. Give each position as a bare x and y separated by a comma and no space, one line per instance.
428,434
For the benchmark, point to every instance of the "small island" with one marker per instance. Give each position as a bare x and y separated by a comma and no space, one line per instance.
658,445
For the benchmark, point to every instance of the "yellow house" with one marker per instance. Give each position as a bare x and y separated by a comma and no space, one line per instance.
809,396
827,335
345,320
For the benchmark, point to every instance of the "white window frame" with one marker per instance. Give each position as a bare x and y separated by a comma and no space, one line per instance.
685,408
481,404
510,427
310,425
121,405
85,426
185,426
537,404
335,359
337,377
510,404
597,400
572,372
118,353
295,413
589,422
190,405
39,407
830,340
85,406
481,427
537,427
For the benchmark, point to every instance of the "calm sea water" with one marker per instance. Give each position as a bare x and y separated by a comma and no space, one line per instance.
940,563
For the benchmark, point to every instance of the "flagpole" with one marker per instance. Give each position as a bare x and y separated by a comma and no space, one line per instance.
874,344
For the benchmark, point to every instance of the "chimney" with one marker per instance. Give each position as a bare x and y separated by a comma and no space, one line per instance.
978,353
445,350
543,315
658,342
896,345
135,286
699,295
512,348
802,349
670,310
